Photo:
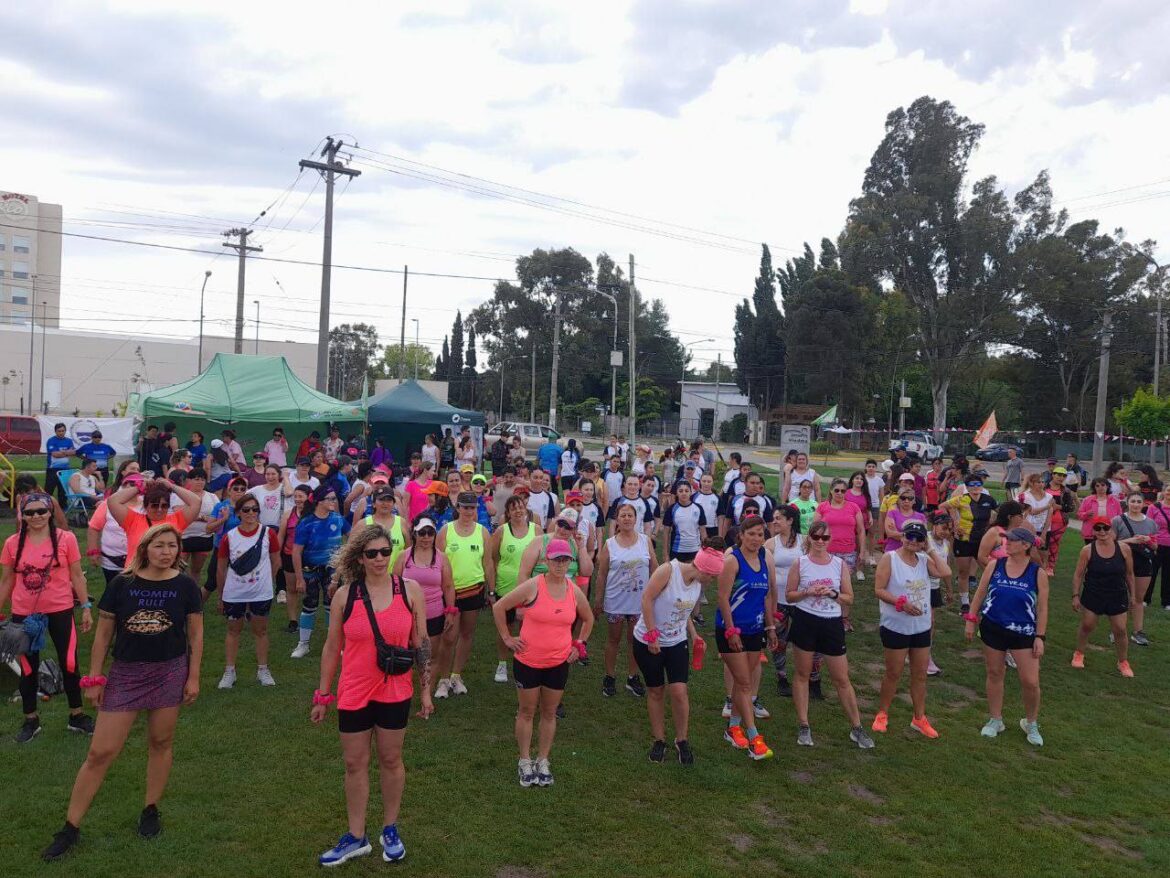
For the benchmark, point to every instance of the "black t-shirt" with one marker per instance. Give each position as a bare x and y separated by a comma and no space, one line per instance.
150,618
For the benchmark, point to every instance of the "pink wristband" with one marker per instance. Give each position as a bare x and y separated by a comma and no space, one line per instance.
731,632
970,617
88,682
324,698
900,603
579,645
779,616
451,610
652,635
93,553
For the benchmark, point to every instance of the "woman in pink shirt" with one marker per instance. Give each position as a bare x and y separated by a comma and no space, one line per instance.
1159,513
416,492
846,531
1099,504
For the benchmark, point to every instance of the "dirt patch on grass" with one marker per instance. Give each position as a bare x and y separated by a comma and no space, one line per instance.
519,872
805,777
880,821
972,654
865,794
1089,832
772,819
957,690
741,842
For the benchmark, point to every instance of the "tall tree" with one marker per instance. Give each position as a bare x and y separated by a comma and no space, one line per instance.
759,338
469,374
420,354
354,353
442,360
455,361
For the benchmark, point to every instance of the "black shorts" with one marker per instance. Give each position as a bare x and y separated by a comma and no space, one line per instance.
673,663
682,557
191,545
567,483
510,617
812,633
894,640
751,642
1143,562
936,598
533,678
1111,602
247,609
471,603
435,626
1000,638
286,563
966,548
383,714
1010,488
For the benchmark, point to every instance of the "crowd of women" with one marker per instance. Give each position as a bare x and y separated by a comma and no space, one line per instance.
402,564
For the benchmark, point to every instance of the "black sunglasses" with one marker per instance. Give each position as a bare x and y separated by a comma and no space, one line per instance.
35,512
158,504
425,532
1102,528
371,554
820,538
247,509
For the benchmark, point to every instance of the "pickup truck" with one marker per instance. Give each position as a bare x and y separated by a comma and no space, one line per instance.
921,444
532,436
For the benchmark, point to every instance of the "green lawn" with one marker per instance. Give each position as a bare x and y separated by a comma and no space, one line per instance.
257,790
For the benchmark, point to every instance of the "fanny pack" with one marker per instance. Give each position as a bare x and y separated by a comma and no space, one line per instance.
392,661
250,560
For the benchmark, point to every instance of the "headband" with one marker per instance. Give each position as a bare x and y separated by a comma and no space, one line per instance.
709,561
36,497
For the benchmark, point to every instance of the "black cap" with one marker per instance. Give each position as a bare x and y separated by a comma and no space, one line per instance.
466,498
914,529
303,461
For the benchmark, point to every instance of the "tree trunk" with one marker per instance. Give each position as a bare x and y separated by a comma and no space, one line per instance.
938,395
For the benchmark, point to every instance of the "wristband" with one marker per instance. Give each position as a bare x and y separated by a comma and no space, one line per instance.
579,645
970,617
451,610
778,616
88,682
88,605
900,603
652,635
93,553
324,698
731,632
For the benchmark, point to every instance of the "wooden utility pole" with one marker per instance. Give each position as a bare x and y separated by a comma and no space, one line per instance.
633,357
1102,394
402,347
242,250
556,362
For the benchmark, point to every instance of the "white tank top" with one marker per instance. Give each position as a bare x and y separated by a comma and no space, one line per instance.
672,608
809,475
811,574
629,571
875,483
783,558
912,581
255,585
1039,507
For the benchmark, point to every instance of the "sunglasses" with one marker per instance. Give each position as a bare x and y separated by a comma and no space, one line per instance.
820,538
425,532
1097,528
371,554
565,524
913,538
909,497
247,509
332,498
35,512
158,504
838,490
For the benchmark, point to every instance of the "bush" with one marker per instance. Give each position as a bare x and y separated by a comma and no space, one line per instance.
821,447
733,430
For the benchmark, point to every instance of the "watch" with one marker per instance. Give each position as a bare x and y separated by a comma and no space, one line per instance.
834,593
88,605
1042,637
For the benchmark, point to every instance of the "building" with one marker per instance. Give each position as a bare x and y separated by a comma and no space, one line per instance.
30,259
710,403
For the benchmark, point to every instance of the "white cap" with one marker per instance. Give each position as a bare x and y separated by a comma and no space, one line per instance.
217,443
568,514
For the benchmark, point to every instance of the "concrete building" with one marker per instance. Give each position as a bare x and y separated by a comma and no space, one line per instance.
30,259
709,403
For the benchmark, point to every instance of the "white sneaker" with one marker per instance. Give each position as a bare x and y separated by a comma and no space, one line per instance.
501,672
228,680
443,689
265,677
860,576
301,649
281,597
1011,660
457,687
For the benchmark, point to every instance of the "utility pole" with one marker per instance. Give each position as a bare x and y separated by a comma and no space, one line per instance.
202,290
329,169
532,394
256,302
633,348
901,410
402,346
556,362
242,249
32,340
1102,393
718,373
44,320
1157,341
415,319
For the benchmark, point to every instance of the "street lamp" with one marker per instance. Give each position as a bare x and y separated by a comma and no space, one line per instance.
615,354
199,365
415,319
256,302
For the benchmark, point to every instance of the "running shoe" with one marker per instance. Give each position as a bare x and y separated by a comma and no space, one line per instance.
1110,638
29,729
583,661
150,822
992,727
281,597
457,687
64,840
699,620
758,750
393,850
783,687
804,737
561,710
608,687
1010,660
686,755
881,721
501,672
922,725
228,680
759,710
80,723
734,736
658,752
544,775
814,690
1032,730
932,670
292,627
526,768
861,738
1078,659
443,689
860,576
726,712
1166,607
1124,669
634,686
264,676
300,651
346,849
1139,637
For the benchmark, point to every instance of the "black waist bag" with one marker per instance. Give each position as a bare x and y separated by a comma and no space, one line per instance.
392,661
250,560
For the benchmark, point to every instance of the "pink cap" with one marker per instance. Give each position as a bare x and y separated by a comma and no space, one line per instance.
558,549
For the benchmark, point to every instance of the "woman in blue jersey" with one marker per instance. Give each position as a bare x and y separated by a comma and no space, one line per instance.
320,533
1013,595
744,621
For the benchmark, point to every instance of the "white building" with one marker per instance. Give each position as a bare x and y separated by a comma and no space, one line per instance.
710,403
30,259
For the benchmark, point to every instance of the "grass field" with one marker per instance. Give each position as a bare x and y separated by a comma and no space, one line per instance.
256,790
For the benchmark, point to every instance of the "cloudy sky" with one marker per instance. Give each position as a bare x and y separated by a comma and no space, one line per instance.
683,132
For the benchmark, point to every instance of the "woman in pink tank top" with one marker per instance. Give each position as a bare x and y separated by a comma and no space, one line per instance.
369,701
430,568
542,653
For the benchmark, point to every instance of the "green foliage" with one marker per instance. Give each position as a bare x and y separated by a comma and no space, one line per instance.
821,448
392,356
354,354
651,400
585,410
733,430
1144,415
760,355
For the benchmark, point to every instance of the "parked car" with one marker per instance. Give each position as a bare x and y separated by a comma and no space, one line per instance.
998,451
19,435
532,436
921,444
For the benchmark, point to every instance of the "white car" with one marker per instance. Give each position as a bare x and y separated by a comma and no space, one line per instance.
532,436
921,444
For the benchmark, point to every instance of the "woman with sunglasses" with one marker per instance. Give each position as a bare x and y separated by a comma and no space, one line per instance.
1099,504
902,586
248,558
154,617
320,532
542,654
40,571
1013,595
847,525
508,546
286,536
624,566
385,515
223,519
156,509
897,516
1103,585
818,587
372,705
430,568
1138,531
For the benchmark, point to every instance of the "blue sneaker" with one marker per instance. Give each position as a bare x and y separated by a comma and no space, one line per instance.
347,849
393,849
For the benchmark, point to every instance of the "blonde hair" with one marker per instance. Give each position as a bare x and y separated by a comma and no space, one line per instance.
139,561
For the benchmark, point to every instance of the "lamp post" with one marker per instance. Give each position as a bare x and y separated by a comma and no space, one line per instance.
615,354
683,382
203,289
256,302
415,319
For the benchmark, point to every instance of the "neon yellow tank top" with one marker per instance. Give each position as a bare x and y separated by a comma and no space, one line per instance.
466,556
397,540
511,551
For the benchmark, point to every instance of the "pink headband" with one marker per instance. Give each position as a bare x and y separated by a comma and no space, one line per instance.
709,562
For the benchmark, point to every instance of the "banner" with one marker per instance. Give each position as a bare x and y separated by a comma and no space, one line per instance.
118,432
986,433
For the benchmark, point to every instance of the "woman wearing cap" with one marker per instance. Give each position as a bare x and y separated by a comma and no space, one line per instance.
784,549
223,519
105,540
300,475
423,563
197,542
993,546
439,507
901,512
971,510
1064,507
902,586
1013,596
624,566
320,532
1099,504
385,515
1138,531
1103,585
542,654
465,544
508,545
587,519
485,510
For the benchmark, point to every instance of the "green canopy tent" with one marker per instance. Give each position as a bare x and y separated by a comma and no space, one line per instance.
404,414
252,395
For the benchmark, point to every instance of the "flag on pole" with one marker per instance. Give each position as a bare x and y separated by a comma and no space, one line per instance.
828,417
986,433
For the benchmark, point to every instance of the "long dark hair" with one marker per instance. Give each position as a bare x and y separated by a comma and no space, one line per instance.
120,474
35,496
792,514
864,486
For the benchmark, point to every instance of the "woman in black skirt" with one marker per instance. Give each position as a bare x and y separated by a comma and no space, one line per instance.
154,616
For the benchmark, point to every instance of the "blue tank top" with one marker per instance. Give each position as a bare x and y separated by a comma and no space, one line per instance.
748,594
1011,602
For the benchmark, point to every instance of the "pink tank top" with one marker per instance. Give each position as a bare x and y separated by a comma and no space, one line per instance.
547,629
361,681
429,578
290,533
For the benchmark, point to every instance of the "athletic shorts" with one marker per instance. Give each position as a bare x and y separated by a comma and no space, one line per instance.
1105,602
435,626
672,664
999,638
966,548
286,563
534,678
812,633
936,598
246,609
849,559
383,714
751,642
682,557
1143,562
895,640
614,618
191,545
471,603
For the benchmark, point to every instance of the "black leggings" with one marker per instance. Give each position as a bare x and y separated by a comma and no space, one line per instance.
63,633
1162,565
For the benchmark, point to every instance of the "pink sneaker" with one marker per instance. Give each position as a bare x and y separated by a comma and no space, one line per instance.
1124,669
